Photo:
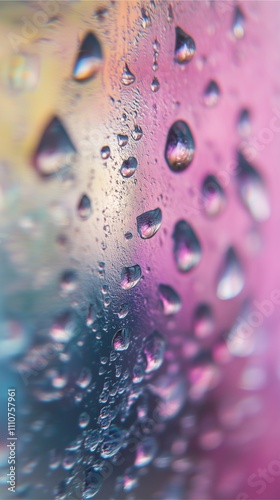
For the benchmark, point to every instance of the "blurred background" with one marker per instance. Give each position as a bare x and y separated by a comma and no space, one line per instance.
139,220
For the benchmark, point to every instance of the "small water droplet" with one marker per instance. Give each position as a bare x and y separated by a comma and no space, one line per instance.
180,146
244,123
84,378
203,323
121,340
129,166
92,440
146,452
213,196
105,152
84,419
127,77
170,15
231,277
112,442
63,328
68,281
146,20
252,190
137,133
55,150
89,59
84,207
170,300
238,26
187,249
122,140
149,223
128,236
211,94
155,85
154,349
184,47
123,311
130,276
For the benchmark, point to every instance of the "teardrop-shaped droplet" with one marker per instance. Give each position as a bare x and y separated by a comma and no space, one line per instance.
154,349
252,190
213,196
137,133
231,278
55,150
129,166
149,223
155,85
238,25
187,249
184,47
122,140
244,123
84,419
211,94
89,59
170,300
130,276
127,77
123,311
146,451
84,207
203,323
121,340
105,152
180,146
68,281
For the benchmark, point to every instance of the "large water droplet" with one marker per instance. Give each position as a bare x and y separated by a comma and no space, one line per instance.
238,25
137,133
121,339
252,190
231,277
184,47
180,146
129,166
89,59
130,276
146,452
187,249
55,150
170,300
149,223
211,94
154,348
84,207
155,85
122,140
62,329
112,442
213,196
203,323
105,152
127,77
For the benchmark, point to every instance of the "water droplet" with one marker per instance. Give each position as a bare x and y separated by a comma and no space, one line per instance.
184,47
146,452
84,378
187,249
121,340
170,300
129,166
92,440
55,150
170,15
146,20
155,85
203,323
244,123
137,133
84,419
89,59
105,152
123,311
93,483
128,236
130,276
180,146
112,442
149,223
154,348
84,207
122,140
63,328
127,77
238,26
252,190
68,281
231,278
213,196
211,94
